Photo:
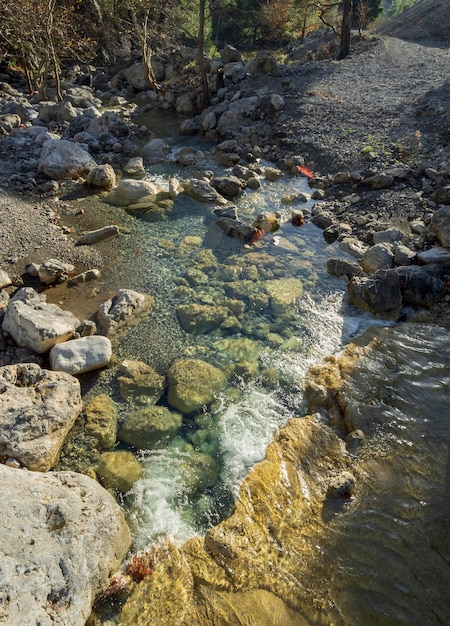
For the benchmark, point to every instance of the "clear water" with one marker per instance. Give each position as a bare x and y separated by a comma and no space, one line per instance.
178,497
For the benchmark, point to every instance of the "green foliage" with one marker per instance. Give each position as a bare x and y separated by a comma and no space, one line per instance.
398,6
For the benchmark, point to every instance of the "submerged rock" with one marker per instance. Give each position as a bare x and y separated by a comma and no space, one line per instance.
119,470
139,383
150,427
193,384
201,318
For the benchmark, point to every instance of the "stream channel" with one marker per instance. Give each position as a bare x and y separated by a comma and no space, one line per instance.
191,481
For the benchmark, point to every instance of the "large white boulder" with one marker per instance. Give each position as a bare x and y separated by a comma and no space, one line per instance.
38,408
61,536
35,324
61,159
78,356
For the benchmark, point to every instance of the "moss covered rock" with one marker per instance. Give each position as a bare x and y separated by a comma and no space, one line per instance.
193,384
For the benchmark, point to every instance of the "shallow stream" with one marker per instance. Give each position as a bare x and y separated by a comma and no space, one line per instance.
190,483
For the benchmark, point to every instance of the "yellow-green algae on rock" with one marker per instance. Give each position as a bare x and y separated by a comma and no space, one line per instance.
247,570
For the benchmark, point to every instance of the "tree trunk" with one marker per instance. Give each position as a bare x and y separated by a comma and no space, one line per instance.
201,57
346,29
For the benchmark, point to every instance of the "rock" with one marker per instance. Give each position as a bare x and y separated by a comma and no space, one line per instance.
403,255
156,151
229,54
55,560
272,173
263,63
201,318
135,75
84,277
139,383
234,72
193,384
284,293
38,408
421,286
268,222
277,102
391,235
134,166
101,234
379,256
79,356
8,122
5,280
199,471
119,470
435,255
57,112
184,104
228,186
379,294
202,191
130,191
238,230
125,304
35,324
323,219
379,181
442,195
109,123
343,267
101,177
54,271
440,225
150,427
354,247
101,420
61,159
342,486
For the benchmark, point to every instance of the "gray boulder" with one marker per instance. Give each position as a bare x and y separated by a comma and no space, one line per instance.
440,225
109,123
228,186
422,286
38,408
35,324
61,538
377,257
202,191
379,294
61,159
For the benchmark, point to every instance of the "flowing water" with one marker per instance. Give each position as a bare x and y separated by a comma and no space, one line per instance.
190,483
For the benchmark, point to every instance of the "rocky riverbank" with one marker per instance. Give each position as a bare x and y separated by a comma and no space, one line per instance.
374,131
